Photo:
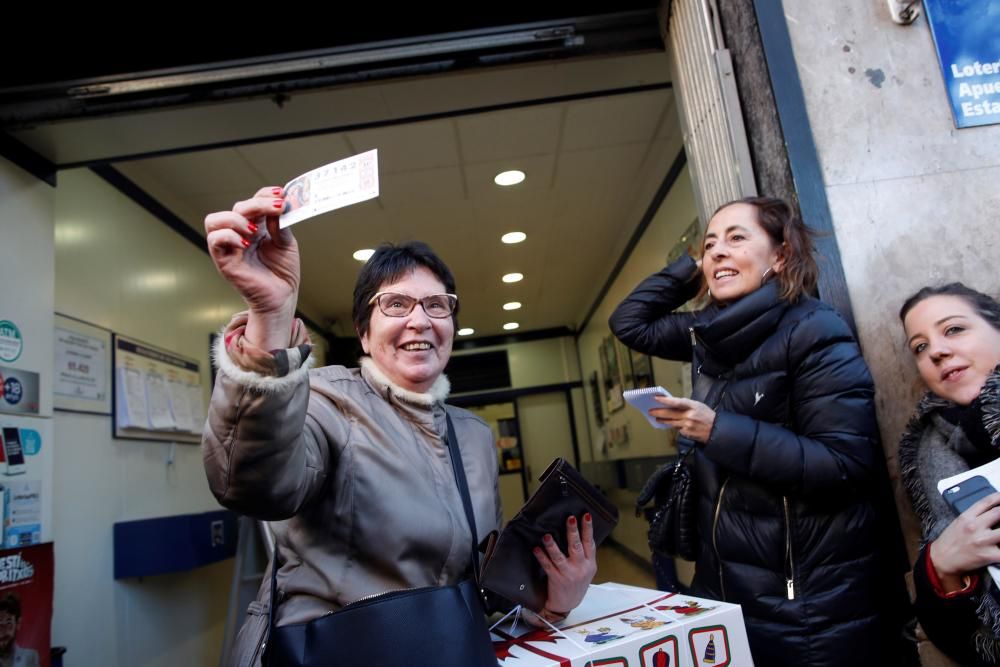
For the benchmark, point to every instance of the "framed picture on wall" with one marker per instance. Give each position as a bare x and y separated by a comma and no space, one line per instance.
612,374
596,397
624,365
157,393
690,242
604,378
642,369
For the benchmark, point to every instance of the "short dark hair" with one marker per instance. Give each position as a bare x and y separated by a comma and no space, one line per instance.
389,264
11,603
984,305
785,228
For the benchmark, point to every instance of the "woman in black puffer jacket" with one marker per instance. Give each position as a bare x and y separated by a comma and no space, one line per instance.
787,460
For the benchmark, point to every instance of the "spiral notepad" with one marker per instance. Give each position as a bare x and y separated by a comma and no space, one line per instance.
644,401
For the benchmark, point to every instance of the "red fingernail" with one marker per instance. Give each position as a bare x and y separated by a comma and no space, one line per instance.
246,244
537,551
587,517
548,539
278,203
276,192
253,228
572,521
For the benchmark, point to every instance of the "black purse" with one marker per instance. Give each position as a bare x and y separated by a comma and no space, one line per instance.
673,527
509,568
434,625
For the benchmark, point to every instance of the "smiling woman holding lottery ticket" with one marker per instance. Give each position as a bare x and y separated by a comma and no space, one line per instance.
782,423
353,467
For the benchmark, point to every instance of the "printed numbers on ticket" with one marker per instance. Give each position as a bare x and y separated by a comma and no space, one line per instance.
336,185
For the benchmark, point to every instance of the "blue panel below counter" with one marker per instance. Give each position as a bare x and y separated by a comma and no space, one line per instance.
173,543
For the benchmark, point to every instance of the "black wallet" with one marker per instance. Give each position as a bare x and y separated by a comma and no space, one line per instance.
509,567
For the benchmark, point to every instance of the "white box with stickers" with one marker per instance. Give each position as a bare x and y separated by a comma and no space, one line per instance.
625,626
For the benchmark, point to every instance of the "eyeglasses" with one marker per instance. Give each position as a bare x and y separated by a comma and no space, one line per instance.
393,304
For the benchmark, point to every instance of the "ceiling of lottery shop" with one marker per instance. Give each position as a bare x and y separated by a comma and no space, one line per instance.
594,132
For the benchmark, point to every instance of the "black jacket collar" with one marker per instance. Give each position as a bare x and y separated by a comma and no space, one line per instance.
730,333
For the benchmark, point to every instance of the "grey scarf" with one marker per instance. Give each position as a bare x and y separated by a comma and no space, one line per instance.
928,452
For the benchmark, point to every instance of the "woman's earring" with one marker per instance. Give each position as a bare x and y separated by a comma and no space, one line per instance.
764,275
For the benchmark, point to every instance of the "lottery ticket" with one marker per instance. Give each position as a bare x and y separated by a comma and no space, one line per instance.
338,184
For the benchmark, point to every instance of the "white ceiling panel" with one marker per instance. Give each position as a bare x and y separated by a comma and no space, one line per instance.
621,119
410,147
510,134
423,191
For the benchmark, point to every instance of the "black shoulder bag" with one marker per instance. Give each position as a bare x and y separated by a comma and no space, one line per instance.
440,625
673,525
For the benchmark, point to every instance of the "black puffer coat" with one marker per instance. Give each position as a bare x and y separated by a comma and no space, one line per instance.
785,482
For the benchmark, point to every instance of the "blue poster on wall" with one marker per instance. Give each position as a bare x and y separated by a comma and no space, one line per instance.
967,36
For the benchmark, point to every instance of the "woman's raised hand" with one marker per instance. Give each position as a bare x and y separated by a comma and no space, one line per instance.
968,544
261,261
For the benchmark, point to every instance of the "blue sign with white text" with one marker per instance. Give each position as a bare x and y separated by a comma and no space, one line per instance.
967,36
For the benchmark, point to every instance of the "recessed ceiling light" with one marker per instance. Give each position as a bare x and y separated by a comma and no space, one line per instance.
363,255
512,177
513,305
510,326
512,277
513,237
467,331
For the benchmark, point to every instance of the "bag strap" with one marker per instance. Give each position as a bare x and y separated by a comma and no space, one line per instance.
265,656
463,489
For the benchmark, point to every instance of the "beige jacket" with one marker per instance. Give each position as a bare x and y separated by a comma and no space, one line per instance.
355,477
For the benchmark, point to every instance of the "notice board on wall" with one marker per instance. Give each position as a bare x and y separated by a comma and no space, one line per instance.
81,381
157,393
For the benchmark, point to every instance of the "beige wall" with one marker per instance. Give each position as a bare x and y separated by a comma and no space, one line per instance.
913,199
118,267
26,205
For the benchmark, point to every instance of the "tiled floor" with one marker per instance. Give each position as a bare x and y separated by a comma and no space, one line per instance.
613,565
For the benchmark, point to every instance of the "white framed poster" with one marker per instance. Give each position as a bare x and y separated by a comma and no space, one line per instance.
82,368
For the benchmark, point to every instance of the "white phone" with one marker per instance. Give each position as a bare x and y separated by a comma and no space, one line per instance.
12,450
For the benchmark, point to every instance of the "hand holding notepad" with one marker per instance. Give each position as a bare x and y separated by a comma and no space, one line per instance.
644,399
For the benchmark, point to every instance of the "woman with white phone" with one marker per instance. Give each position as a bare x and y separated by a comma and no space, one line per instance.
953,333
785,454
